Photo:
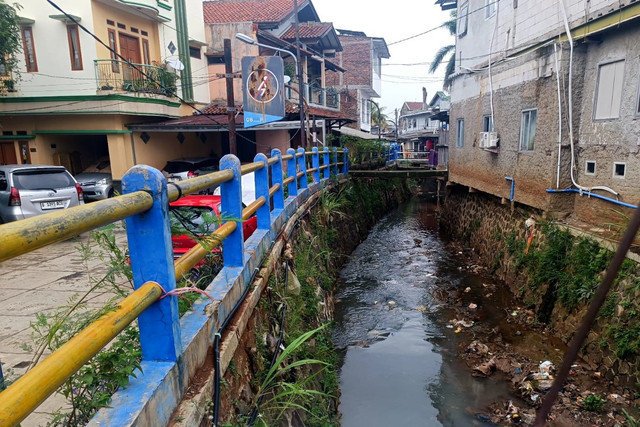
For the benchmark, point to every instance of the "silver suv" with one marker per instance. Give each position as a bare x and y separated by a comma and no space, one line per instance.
29,190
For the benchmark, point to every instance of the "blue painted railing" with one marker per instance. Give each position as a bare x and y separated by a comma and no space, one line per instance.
173,348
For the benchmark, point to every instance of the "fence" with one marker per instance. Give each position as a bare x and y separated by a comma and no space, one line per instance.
172,348
117,75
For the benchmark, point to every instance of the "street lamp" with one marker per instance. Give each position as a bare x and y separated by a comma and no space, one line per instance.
248,40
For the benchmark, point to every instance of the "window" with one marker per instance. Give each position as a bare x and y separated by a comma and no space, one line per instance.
619,169
29,50
460,134
134,30
194,52
110,22
528,129
608,91
489,8
145,52
74,47
122,26
115,65
462,20
590,167
487,124
144,33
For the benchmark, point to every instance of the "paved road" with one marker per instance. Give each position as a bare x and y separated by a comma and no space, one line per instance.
39,282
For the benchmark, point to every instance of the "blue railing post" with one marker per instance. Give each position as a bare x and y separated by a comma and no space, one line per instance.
262,190
151,255
326,162
231,198
335,163
315,164
345,166
292,172
302,165
276,178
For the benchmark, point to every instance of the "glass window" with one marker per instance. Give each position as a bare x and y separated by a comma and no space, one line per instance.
462,20
145,51
490,8
74,47
608,91
460,134
115,65
29,49
487,124
194,52
528,129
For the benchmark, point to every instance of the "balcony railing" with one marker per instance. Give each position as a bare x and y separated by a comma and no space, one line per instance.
122,76
315,95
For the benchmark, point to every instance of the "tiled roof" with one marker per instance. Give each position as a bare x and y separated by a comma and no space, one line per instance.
414,105
223,11
308,30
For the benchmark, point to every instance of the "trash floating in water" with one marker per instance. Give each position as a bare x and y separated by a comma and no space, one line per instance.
391,304
514,313
473,306
422,309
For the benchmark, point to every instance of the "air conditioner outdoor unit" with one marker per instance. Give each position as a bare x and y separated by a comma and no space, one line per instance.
484,139
492,140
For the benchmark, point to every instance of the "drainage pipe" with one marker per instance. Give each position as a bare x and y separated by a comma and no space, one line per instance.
513,186
597,196
555,55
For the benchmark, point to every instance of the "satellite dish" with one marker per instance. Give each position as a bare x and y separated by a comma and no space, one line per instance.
287,79
175,63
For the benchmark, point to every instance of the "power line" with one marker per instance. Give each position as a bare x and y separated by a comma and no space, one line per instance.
442,25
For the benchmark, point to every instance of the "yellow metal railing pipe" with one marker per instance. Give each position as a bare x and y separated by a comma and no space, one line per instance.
253,208
300,174
193,256
251,167
312,170
323,167
288,180
20,237
274,189
199,183
287,157
30,390
272,160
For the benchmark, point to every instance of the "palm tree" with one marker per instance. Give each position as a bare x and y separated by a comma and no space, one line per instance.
450,50
378,116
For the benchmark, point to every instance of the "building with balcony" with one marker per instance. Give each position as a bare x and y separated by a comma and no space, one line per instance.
72,97
272,23
361,57
547,94
421,124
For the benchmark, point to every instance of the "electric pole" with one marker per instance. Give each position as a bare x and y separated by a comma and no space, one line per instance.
303,138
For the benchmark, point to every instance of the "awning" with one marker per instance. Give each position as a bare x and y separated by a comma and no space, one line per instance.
356,132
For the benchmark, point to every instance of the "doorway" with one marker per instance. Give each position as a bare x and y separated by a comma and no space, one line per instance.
130,50
8,153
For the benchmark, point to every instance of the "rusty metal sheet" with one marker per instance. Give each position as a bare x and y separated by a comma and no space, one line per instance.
263,89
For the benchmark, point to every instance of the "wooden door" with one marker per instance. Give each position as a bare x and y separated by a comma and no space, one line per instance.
130,50
8,154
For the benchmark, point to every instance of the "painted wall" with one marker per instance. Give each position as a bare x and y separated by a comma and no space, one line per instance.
199,71
54,75
165,146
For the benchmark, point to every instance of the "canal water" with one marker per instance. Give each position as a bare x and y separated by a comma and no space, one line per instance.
399,350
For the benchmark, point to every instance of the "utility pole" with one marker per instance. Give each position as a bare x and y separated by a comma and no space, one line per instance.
231,103
396,125
303,138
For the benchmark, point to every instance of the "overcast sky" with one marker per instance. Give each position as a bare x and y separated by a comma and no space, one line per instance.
396,20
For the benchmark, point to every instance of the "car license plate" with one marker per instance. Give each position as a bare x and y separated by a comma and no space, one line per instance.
58,204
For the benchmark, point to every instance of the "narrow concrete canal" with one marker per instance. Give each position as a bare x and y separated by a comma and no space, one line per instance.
399,344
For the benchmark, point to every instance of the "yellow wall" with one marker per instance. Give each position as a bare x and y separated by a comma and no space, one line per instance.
165,146
102,12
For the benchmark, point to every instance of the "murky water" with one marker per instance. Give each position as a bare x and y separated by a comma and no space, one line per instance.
400,363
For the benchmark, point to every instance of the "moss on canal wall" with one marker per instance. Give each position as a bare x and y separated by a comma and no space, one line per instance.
556,277
319,245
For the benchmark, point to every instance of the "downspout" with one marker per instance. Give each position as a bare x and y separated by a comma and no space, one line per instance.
182,35
555,54
495,29
513,187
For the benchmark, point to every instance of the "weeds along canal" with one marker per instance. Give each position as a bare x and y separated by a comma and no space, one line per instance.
398,345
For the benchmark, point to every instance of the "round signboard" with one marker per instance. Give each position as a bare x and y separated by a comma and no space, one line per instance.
262,85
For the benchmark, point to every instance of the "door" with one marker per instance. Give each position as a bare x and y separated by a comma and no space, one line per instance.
130,50
8,154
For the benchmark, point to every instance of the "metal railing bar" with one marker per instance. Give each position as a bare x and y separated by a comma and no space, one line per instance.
300,174
30,390
26,235
288,180
323,167
312,170
253,208
274,189
193,256
199,183
287,157
251,167
272,161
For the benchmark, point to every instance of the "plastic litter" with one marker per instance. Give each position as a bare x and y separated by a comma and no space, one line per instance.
485,369
473,306
467,290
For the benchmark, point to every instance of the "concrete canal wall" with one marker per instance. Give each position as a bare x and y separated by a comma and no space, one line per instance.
555,276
